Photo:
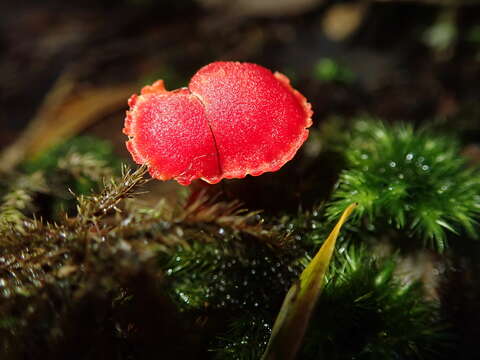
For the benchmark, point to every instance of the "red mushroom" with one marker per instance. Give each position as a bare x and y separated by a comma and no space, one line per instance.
233,119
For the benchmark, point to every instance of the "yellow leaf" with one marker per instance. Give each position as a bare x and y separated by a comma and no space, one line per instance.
297,308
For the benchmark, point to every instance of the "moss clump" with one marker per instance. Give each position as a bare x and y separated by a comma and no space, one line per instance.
413,180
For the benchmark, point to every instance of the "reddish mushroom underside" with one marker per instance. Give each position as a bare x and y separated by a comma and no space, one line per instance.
233,119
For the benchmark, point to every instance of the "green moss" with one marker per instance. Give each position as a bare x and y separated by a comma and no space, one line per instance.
365,312
50,160
413,180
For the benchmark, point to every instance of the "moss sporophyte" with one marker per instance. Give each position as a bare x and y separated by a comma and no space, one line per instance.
232,120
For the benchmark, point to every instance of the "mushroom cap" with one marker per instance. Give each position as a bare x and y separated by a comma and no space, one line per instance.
233,119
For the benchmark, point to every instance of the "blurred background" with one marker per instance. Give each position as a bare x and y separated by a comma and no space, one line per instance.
68,68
